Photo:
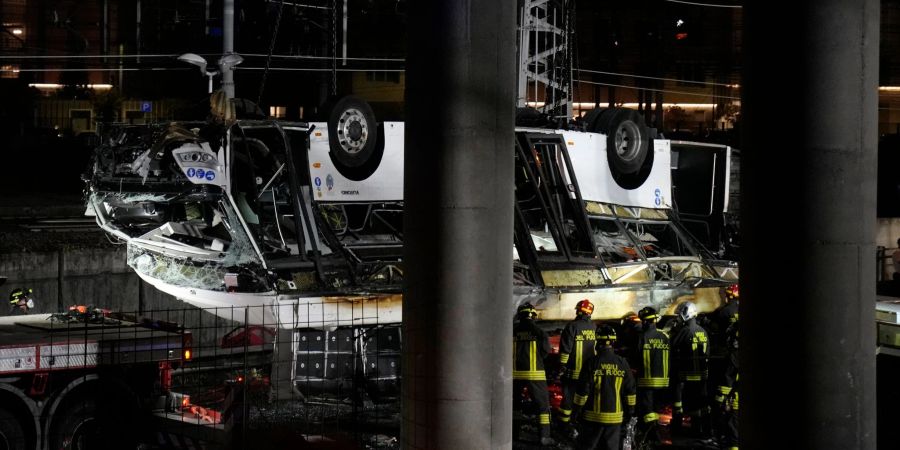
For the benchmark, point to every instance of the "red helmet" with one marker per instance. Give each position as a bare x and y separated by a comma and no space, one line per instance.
732,292
585,307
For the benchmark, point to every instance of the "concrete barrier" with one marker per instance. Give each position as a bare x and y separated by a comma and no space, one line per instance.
100,277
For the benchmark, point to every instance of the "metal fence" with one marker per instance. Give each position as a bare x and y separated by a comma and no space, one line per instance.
195,378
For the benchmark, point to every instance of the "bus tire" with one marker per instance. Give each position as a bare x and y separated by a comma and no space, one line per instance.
628,140
352,131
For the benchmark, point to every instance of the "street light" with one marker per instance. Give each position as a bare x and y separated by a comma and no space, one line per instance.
226,63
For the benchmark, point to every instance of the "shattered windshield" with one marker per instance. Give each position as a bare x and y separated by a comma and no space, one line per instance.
218,247
621,240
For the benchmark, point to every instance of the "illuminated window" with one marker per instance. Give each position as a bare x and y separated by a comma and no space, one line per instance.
278,112
9,71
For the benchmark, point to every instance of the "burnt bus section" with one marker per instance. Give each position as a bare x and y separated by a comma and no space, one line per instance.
187,232
254,226
564,241
551,227
249,223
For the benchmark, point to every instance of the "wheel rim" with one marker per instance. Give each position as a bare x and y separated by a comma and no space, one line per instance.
84,436
628,140
353,130
4,442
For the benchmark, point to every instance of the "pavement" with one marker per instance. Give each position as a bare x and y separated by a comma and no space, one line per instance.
529,439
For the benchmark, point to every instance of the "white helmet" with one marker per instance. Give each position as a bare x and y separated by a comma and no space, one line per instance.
686,311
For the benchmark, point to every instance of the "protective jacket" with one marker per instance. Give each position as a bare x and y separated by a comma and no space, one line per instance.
606,390
530,347
576,345
690,352
652,359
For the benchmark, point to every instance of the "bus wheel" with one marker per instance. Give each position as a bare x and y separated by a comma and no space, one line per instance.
352,131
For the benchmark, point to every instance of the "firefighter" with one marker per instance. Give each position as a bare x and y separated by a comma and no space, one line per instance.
20,301
605,395
576,347
721,320
690,359
727,392
530,347
651,359
728,313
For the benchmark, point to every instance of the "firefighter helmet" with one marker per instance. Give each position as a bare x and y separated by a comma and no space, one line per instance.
605,335
648,314
732,292
686,311
527,310
584,307
631,318
19,294
21,297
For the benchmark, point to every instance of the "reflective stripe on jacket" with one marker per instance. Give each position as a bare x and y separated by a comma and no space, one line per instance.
606,389
576,345
530,347
653,360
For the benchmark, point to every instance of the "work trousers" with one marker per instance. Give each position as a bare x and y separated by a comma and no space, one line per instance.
541,398
569,386
730,430
690,397
599,436
646,405
691,400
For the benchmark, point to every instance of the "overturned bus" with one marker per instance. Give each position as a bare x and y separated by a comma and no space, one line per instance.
300,225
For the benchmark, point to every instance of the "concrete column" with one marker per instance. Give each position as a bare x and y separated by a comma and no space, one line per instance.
457,306
808,224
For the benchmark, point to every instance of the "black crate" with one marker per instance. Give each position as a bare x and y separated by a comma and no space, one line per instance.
340,365
310,365
310,341
382,365
383,339
341,340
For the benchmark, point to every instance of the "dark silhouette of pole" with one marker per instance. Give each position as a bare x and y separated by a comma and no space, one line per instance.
457,305
810,114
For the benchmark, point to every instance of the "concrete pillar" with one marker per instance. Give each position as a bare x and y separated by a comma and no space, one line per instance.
808,224
457,306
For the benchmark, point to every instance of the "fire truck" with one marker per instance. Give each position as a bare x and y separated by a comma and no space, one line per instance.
91,379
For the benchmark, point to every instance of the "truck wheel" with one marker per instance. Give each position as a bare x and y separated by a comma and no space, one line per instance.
352,131
12,437
628,140
77,427
82,425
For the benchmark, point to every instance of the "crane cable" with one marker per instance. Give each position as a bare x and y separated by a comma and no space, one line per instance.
262,84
